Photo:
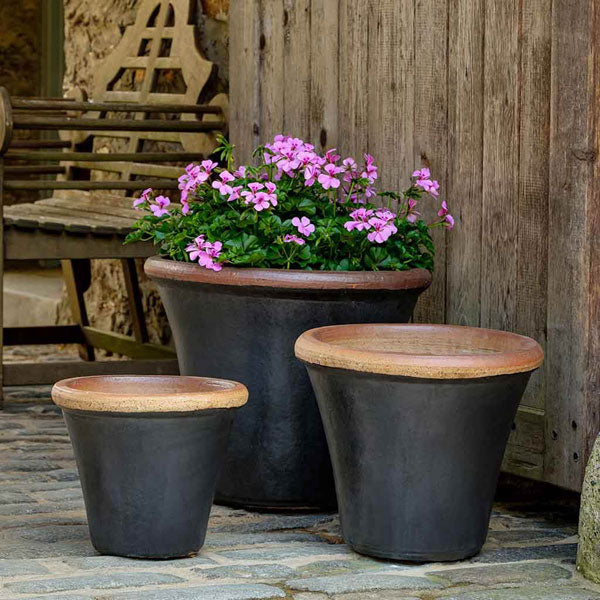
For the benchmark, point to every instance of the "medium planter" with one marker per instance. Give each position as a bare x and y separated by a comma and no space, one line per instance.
417,418
242,324
148,451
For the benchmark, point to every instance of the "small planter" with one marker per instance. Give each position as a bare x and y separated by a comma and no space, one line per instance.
417,418
242,324
148,451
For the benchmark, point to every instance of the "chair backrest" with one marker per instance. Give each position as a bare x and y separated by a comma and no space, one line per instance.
148,108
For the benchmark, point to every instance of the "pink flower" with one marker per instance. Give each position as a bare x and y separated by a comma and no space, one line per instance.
425,182
293,238
235,193
194,176
271,187
223,185
304,226
412,214
385,215
370,171
261,201
381,231
240,173
448,219
250,195
328,179
424,173
310,175
360,220
195,247
370,192
349,164
208,165
210,252
331,156
159,208
259,198
144,197
431,187
205,253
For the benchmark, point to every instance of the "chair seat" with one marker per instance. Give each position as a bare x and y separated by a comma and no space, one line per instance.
79,213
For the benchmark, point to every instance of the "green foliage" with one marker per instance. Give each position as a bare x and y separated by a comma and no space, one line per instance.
253,238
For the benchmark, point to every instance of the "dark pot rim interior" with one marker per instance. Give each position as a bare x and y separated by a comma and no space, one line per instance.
421,351
148,393
157,267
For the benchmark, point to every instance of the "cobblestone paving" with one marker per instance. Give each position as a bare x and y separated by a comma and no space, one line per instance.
45,552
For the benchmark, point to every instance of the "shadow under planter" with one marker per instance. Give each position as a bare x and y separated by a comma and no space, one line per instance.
148,450
417,418
242,324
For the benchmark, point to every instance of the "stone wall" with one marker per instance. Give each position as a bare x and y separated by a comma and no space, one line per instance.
20,46
92,30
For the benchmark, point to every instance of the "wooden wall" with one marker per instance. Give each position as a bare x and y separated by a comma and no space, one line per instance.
501,100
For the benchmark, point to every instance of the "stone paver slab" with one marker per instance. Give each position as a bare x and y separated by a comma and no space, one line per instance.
361,582
15,568
99,582
288,551
511,573
529,593
527,553
255,591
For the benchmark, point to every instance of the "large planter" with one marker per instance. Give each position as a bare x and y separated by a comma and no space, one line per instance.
148,451
417,418
242,324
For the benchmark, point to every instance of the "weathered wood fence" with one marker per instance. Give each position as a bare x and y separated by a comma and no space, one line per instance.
502,100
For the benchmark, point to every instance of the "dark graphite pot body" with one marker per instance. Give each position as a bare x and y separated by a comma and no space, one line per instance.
416,451
242,324
149,475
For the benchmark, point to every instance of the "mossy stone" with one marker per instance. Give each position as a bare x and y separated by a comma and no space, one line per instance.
588,555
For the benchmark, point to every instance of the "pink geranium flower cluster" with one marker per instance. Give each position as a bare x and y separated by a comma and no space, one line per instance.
379,223
205,253
158,205
294,157
194,176
298,209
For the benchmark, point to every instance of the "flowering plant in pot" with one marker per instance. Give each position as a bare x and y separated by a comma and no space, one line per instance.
253,256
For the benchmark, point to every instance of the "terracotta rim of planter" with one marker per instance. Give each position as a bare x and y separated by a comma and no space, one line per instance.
147,393
423,351
162,268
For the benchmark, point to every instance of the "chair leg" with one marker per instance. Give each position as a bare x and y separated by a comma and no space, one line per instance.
1,282
77,276
134,295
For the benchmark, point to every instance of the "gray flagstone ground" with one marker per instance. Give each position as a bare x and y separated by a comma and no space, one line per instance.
45,552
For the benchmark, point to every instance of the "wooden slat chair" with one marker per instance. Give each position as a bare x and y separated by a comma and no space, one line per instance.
88,213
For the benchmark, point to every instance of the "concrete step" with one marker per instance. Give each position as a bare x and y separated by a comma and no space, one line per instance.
32,297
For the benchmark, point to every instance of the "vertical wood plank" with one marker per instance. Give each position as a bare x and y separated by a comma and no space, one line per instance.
431,134
297,58
465,160
324,49
532,207
572,155
500,164
243,78
271,69
592,388
353,75
390,90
